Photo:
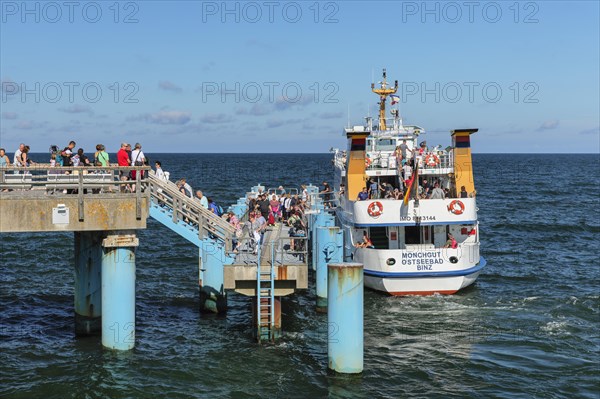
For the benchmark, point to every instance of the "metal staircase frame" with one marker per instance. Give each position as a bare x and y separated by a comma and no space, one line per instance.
185,215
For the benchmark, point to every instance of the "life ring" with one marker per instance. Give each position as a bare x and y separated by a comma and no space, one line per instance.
367,162
375,209
456,207
432,160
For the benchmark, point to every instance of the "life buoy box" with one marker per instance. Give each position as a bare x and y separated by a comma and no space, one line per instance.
432,160
456,207
375,209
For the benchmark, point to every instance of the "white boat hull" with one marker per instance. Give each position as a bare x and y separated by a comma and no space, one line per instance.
420,285
421,272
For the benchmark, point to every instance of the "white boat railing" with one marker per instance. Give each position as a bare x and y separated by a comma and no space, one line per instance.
387,161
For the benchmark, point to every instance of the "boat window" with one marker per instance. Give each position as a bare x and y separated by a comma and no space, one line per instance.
412,234
386,145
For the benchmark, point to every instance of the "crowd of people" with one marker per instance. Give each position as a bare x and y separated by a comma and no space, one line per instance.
426,189
68,156
280,207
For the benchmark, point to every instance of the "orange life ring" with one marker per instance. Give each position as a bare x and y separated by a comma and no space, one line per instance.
456,207
375,209
432,160
367,162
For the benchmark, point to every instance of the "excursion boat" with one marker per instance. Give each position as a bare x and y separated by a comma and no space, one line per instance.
409,250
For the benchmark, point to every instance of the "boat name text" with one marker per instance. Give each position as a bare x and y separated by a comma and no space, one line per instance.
423,260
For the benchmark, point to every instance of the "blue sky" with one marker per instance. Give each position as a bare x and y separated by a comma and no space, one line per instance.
270,76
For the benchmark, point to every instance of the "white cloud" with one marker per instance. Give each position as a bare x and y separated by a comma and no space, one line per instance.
548,125
594,130
77,109
169,86
168,117
10,115
216,118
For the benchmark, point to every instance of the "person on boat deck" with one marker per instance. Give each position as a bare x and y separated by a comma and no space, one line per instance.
437,192
363,195
408,170
365,243
463,192
423,148
451,243
398,195
373,189
403,149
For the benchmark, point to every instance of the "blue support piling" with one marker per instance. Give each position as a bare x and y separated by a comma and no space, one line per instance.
321,219
88,282
118,291
345,317
213,298
329,250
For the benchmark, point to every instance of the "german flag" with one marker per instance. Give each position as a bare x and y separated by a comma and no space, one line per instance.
413,185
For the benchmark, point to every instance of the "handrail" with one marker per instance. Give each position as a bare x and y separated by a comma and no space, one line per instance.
70,181
190,211
80,178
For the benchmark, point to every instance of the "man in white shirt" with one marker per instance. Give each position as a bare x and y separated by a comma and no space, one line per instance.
137,156
17,158
159,172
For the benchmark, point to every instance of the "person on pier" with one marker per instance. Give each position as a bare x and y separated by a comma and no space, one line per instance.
203,200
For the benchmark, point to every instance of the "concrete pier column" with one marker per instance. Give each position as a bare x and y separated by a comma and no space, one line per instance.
118,290
321,219
88,282
213,298
329,250
345,317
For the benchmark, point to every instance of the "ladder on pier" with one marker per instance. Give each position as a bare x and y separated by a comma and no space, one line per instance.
265,293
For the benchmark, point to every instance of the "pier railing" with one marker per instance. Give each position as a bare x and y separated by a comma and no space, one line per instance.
166,194
71,180
42,188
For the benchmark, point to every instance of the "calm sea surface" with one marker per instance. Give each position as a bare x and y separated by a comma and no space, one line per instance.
529,327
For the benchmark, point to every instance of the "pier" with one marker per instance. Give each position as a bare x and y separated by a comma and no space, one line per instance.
104,212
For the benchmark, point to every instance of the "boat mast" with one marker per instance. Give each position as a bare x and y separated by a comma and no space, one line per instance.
383,92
